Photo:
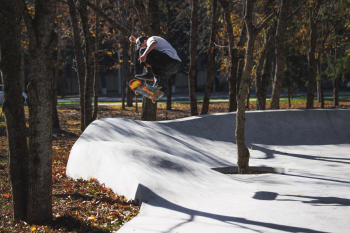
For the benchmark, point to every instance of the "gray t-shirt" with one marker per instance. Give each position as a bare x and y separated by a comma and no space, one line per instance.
163,46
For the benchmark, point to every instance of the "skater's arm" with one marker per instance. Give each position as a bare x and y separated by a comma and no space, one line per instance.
148,49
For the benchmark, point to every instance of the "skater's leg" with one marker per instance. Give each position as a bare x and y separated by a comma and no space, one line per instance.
148,75
156,82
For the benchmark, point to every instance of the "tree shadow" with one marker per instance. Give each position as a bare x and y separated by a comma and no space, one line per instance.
70,223
81,197
316,201
153,199
270,155
321,201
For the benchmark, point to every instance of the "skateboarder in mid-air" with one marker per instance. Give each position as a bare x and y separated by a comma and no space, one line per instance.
158,56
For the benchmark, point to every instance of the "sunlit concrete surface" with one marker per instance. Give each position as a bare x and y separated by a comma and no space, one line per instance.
168,168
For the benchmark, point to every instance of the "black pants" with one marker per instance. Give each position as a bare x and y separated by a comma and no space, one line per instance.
161,62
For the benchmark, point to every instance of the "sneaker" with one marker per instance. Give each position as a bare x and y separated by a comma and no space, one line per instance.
156,83
145,76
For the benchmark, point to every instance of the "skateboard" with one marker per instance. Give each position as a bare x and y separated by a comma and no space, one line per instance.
146,90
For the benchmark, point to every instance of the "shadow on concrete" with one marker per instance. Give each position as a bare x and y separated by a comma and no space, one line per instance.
153,199
320,201
316,201
270,154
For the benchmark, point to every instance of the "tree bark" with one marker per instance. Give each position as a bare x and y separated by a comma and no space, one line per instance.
42,43
97,63
336,92
258,77
125,73
263,81
79,60
170,79
10,67
149,19
132,70
193,58
233,52
312,56
240,59
89,64
280,56
211,59
55,120
253,31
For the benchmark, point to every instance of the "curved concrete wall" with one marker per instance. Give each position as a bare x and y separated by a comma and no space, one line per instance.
166,166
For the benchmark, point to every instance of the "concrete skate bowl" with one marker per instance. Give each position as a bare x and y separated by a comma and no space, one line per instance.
168,168
207,140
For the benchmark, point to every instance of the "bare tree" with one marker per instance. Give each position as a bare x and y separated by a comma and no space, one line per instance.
280,55
151,26
79,59
89,63
313,13
264,68
12,106
253,32
211,59
193,58
42,43
96,62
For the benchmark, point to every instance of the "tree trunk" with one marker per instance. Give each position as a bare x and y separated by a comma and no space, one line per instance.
258,78
10,67
312,67
312,56
97,62
193,58
211,59
263,81
42,43
280,56
318,84
63,74
233,52
242,151
89,64
336,92
151,26
79,60
169,92
125,73
55,120
132,70
320,96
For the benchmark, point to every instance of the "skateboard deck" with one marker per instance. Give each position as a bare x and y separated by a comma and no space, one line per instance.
144,89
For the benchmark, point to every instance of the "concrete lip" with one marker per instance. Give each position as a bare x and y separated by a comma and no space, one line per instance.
167,167
252,169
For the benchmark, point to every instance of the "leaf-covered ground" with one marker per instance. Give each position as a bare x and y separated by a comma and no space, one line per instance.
88,206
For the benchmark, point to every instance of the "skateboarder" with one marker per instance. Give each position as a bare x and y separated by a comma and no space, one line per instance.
158,56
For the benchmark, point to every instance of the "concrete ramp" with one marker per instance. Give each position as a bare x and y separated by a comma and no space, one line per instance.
170,168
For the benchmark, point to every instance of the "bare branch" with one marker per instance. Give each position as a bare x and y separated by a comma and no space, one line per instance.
266,21
296,10
26,16
113,22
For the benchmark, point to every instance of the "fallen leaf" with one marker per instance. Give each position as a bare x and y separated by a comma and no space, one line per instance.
91,218
8,195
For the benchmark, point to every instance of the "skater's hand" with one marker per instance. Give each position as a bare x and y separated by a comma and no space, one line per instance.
143,58
132,39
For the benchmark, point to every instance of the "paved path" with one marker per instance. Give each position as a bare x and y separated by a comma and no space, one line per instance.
183,97
170,168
